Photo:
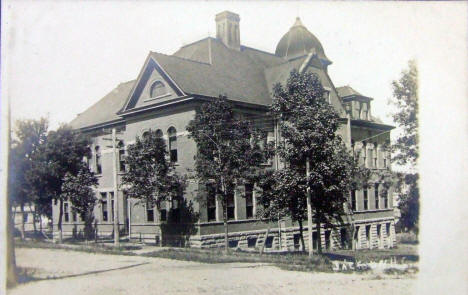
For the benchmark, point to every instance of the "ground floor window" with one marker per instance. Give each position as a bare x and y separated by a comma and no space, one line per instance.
211,203
368,228
344,238
149,212
66,215
249,200
327,240
269,242
104,210
297,240
163,214
231,206
315,240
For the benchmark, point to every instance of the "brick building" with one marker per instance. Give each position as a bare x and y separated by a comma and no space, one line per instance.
165,97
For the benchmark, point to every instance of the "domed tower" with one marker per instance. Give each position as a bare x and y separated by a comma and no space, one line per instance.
298,41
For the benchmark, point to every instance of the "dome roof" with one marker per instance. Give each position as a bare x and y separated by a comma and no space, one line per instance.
298,42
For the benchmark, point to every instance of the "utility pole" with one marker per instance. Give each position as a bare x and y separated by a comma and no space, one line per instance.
116,199
309,210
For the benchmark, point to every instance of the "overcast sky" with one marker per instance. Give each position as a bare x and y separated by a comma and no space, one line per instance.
63,57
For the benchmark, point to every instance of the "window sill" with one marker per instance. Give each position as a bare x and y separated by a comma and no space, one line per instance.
374,210
157,97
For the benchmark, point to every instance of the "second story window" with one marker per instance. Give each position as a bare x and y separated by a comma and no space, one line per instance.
172,133
353,200
98,160
376,194
121,149
366,200
385,199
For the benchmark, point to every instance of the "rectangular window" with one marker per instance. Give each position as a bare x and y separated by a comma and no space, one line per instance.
211,203
297,239
121,159
368,234
251,242
231,206
327,240
105,216
353,200
163,215
149,212
74,217
25,217
249,200
387,228
385,163
65,212
366,200
112,206
376,194
385,198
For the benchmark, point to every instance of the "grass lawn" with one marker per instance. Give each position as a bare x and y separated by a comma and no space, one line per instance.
286,260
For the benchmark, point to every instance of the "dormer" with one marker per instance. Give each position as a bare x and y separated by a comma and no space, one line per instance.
356,104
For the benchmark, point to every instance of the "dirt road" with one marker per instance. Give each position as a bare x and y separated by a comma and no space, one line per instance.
68,272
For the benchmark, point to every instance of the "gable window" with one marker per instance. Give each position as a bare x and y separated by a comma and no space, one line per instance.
121,148
98,160
366,200
172,133
157,89
376,194
211,203
249,200
353,200
149,212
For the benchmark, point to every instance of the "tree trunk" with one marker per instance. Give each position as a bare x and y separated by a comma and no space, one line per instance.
12,278
226,236
34,220
301,232
40,223
22,221
319,237
309,211
59,224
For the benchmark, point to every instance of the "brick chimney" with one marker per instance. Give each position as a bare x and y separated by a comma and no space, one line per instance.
227,29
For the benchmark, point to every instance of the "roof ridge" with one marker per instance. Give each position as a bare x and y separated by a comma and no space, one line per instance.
259,50
182,58
195,42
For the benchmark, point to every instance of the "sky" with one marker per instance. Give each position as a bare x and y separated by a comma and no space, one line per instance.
64,56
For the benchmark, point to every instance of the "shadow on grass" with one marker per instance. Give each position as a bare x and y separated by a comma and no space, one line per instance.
26,275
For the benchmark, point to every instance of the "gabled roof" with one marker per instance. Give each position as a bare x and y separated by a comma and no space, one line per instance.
209,68
206,68
105,110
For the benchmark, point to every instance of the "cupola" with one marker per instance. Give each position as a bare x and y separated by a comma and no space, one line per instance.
298,41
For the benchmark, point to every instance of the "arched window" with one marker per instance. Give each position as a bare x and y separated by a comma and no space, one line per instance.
98,160
159,133
121,149
157,89
144,135
172,134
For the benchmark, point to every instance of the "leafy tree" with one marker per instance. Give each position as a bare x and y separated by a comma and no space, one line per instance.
229,153
62,152
79,190
308,125
405,97
29,135
149,176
